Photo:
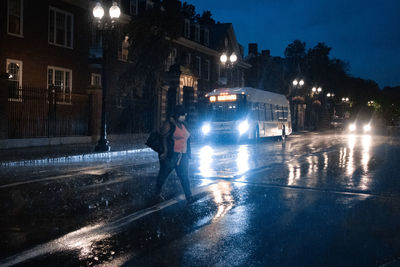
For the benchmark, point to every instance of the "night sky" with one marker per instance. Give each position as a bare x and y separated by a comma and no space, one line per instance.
364,33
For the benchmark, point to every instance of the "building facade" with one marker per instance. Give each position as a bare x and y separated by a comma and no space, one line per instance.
53,51
44,46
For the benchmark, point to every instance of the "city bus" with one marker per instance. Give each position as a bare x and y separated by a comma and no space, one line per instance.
246,112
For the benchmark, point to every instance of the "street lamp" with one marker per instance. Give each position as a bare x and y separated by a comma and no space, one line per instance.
105,25
228,62
298,82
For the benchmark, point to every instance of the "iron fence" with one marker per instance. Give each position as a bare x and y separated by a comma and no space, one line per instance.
41,112
128,116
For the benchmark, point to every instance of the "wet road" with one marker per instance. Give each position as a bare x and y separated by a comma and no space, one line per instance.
315,200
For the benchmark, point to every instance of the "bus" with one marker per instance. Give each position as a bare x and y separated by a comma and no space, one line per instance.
246,112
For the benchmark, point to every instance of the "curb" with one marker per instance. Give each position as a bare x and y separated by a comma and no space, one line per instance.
85,156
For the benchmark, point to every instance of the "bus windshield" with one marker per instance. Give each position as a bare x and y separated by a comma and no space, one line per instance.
227,111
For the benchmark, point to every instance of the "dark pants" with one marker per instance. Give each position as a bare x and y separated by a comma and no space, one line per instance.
182,170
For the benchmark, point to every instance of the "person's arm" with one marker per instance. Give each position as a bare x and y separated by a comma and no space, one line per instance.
164,133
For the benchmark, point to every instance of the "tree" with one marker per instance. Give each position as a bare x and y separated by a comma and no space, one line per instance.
206,18
295,55
152,33
318,64
188,11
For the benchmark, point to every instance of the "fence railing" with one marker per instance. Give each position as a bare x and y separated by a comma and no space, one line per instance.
128,116
37,112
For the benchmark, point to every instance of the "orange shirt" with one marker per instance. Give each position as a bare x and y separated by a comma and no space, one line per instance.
180,139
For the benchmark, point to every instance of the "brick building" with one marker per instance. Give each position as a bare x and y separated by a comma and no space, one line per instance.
52,54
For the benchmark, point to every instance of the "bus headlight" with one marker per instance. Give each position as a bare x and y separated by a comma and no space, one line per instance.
352,127
243,127
206,128
367,128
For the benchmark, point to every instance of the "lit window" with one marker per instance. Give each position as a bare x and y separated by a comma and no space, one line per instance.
14,70
96,80
15,17
60,27
61,79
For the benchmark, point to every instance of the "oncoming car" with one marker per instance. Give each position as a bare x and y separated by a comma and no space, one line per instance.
360,127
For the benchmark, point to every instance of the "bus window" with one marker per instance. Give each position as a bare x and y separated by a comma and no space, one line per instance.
281,113
261,112
254,111
285,113
272,112
227,111
268,112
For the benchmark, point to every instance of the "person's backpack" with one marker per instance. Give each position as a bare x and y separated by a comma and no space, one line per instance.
154,141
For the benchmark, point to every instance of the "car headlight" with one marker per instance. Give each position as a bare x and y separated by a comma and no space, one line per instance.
243,127
367,128
352,127
206,128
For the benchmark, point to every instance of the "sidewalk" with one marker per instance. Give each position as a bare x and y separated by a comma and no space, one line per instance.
118,144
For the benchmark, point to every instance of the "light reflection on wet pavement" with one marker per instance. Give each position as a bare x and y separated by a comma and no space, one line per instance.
315,200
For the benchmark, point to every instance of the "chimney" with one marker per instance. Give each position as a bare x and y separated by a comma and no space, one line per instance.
253,49
265,53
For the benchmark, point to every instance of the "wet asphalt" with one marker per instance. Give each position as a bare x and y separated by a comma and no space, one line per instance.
318,199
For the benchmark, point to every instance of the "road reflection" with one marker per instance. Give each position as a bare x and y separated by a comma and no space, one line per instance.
206,158
222,197
211,162
349,165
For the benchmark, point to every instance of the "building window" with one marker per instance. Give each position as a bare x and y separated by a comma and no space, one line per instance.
95,80
14,70
207,70
198,66
60,27
186,32
15,17
61,79
197,33
188,59
206,37
133,7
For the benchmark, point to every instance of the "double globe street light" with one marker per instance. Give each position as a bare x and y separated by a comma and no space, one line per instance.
298,83
106,24
316,90
228,62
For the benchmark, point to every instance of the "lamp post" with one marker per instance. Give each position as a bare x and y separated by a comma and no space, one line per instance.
228,62
296,84
106,24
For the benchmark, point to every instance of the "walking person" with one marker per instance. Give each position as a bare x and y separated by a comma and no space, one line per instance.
283,132
176,152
